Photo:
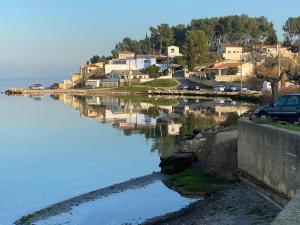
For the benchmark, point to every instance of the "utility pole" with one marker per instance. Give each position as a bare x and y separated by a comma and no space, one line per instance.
242,70
279,63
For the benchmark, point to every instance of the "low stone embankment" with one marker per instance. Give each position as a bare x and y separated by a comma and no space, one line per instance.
247,96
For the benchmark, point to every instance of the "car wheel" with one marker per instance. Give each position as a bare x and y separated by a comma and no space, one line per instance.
263,115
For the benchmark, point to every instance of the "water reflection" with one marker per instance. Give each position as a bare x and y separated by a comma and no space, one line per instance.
167,121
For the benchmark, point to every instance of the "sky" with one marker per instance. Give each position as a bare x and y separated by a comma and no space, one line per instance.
42,38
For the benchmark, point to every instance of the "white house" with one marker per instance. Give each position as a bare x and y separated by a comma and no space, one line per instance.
139,62
232,52
173,51
128,75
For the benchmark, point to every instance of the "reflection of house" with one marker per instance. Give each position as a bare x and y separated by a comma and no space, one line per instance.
173,51
239,110
174,128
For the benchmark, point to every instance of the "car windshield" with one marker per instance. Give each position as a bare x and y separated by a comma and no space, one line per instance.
293,100
280,101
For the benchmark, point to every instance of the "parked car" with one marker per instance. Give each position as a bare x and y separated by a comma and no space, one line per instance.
285,108
244,89
193,88
36,87
182,87
233,88
197,88
220,88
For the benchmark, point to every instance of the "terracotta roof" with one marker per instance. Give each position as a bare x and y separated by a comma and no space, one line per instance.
224,65
126,52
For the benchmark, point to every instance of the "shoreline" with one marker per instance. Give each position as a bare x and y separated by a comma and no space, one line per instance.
247,96
67,205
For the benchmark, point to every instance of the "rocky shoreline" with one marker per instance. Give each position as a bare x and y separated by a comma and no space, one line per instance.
214,152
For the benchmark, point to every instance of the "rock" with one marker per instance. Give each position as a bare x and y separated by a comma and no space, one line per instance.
203,139
219,155
199,136
178,162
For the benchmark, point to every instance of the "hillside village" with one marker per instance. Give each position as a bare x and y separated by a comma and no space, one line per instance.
235,52
235,64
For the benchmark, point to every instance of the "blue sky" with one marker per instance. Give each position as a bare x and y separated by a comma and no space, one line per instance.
52,38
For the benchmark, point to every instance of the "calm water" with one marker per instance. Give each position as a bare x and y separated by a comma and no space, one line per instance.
57,147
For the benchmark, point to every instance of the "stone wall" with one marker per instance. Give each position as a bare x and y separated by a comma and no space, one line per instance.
270,155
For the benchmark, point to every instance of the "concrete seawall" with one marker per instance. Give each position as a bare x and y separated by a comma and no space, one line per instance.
270,155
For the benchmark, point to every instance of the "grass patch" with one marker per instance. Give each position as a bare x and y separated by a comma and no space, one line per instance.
192,180
278,124
161,83
205,86
292,127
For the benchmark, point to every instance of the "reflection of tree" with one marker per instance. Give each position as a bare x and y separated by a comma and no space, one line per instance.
190,122
152,112
194,121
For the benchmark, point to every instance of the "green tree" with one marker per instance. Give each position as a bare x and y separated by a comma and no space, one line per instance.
291,30
146,45
179,34
153,71
162,36
129,45
195,45
95,59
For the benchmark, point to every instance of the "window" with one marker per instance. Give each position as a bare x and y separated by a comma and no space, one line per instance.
280,102
172,50
229,52
293,100
146,61
233,51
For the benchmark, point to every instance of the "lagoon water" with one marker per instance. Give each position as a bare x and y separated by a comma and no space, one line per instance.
57,147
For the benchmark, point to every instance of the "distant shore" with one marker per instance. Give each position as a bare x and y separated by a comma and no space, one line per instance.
247,96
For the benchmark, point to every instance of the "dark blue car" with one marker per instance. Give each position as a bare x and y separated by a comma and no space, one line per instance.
286,108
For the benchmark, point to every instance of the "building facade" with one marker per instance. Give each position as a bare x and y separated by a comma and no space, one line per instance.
173,51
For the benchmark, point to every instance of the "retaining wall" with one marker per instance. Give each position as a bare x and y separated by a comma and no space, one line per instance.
270,155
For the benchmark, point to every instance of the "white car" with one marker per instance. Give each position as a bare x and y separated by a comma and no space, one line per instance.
220,88
36,87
